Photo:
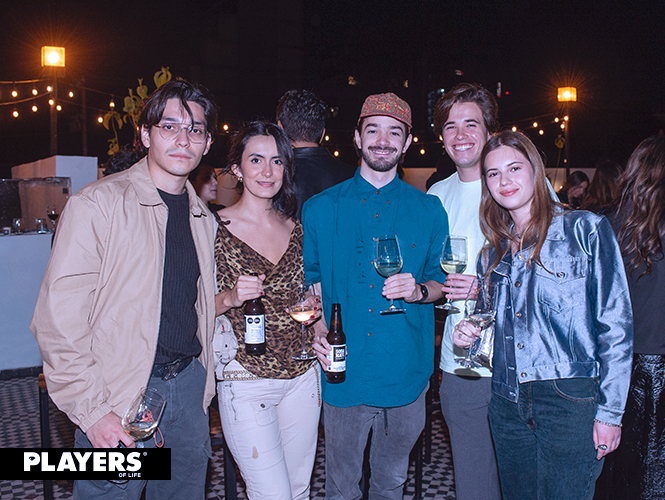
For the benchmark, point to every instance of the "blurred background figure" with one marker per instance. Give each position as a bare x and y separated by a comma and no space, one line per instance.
602,189
574,189
636,470
204,180
122,160
302,115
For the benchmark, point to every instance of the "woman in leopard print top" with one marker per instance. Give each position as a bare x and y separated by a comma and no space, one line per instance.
269,404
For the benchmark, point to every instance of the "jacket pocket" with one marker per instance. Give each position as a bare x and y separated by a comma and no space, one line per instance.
561,283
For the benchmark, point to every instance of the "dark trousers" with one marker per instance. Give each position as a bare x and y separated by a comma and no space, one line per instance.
394,432
185,429
544,442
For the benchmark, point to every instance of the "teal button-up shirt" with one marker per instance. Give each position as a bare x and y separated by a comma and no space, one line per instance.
390,357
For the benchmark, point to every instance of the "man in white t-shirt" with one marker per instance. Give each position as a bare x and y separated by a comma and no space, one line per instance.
466,116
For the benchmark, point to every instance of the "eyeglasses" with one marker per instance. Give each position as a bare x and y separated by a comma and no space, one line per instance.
169,131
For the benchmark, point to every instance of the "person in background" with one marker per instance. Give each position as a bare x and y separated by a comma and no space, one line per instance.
302,115
636,470
563,329
122,160
204,180
603,187
391,356
269,404
574,189
127,300
466,117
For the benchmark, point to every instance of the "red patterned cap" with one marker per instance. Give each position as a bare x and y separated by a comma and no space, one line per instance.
386,105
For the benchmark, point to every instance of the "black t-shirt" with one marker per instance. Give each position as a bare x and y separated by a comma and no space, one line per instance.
179,321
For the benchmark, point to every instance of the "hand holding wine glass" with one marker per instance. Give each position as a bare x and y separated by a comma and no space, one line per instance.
143,415
302,308
388,262
453,261
480,311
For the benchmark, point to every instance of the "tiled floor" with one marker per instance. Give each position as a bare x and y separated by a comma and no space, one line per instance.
19,427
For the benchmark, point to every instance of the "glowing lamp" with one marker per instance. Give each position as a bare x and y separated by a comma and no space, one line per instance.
566,94
53,56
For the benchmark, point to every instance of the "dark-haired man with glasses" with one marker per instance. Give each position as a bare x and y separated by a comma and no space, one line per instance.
128,299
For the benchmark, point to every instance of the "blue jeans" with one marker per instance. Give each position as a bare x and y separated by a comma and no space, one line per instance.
394,432
185,429
544,442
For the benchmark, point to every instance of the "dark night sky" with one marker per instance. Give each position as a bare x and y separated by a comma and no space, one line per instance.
613,51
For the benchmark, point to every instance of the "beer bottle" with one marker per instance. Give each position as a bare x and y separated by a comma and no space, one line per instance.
336,372
255,333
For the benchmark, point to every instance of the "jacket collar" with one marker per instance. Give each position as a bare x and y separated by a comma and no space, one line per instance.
147,193
554,233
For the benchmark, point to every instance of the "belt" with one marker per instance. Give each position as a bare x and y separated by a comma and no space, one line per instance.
171,370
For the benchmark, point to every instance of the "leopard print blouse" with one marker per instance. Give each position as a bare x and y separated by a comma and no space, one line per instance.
234,258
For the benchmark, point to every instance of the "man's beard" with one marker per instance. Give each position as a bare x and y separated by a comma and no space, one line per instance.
380,164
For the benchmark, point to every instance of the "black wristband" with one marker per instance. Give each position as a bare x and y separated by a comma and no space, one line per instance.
424,291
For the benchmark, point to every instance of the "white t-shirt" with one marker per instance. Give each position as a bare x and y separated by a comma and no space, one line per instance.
462,203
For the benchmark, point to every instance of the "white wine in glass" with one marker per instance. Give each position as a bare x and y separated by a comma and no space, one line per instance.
142,417
388,262
301,309
453,261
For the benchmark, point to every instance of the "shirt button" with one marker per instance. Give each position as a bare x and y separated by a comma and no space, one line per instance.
376,215
364,200
369,334
371,310
518,314
523,374
413,246
560,274
378,191
518,284
371,286
388,202
520,345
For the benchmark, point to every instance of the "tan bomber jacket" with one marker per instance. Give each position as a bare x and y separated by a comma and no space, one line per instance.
98,311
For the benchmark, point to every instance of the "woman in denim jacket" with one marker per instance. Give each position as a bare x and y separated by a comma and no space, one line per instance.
564,329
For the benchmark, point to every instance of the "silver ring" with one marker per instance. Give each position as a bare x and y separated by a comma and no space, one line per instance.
602,447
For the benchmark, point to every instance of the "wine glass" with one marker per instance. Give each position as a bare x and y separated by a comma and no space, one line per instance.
301,309
479,309
142,417
53,214
453,260
387,262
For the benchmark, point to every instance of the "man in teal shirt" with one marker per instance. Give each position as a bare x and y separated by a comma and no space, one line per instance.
390,357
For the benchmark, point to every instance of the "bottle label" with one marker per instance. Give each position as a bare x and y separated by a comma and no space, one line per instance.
254,329
337,358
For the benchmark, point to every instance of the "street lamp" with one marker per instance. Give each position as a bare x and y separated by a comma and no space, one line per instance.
54,57
566,95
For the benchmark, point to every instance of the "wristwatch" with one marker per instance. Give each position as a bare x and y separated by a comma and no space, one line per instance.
424,292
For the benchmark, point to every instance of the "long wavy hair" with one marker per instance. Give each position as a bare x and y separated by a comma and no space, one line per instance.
641,202
603,188
285,199
496,222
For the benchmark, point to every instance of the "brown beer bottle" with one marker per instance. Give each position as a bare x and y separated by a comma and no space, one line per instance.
336,372
255,332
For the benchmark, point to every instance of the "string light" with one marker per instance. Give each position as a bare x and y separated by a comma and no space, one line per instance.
34,109
35,92
15,113
14,93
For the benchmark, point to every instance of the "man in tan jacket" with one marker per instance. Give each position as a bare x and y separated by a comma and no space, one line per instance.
127,300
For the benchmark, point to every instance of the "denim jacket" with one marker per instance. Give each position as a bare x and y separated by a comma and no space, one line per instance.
569,318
